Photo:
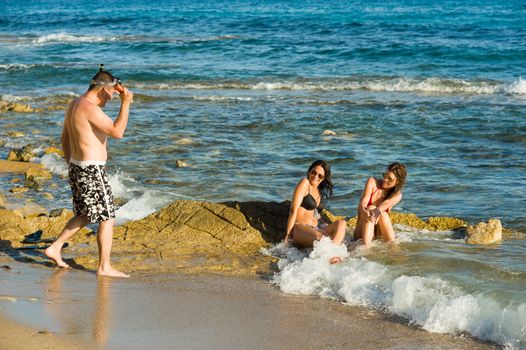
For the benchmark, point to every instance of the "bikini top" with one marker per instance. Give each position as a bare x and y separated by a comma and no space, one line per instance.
309,202
371,198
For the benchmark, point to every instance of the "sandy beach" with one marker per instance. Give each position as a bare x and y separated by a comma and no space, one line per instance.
75,309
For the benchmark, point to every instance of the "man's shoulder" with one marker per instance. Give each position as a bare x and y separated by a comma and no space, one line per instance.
85,107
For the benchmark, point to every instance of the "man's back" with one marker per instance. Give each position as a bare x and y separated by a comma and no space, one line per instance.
86,141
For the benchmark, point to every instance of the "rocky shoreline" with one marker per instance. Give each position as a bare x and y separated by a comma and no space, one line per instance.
189,236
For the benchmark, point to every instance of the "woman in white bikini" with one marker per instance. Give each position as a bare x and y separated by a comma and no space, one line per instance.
304,225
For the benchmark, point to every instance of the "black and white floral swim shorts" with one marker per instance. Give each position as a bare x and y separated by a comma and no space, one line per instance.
92,196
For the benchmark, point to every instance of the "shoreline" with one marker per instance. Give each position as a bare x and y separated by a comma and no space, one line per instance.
207,243
190,311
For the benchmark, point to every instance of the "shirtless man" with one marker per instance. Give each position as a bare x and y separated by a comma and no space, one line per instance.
84,140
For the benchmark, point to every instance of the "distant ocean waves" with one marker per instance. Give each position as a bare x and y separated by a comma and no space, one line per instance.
436,86
62,37
387,84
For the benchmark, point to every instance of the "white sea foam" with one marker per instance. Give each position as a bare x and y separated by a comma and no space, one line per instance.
385,84
222,98
140,207
63,37
15,66
140,203
55,163
13,98
434,304
518,87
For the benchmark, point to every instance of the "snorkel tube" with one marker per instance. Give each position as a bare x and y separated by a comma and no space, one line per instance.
116,83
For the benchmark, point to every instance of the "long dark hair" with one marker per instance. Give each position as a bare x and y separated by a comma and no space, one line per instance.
325,186
400,171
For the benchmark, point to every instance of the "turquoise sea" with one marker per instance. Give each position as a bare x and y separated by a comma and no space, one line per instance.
245,92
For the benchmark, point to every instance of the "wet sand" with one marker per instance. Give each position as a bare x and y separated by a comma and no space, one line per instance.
193,312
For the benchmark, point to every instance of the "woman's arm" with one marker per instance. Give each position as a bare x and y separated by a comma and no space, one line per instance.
299,192
370,185
390,203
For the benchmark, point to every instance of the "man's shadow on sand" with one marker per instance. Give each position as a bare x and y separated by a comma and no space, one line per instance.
33,254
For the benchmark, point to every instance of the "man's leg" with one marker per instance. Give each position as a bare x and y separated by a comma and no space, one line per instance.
72,227
104,240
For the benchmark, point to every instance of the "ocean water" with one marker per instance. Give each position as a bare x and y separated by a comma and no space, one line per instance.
242,92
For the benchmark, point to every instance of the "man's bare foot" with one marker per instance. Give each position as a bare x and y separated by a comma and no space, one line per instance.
335,260
53,253
111,272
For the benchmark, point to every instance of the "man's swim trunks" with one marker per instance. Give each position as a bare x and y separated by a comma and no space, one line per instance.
92,196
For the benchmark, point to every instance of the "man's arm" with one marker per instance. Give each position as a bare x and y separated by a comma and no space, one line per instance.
101,121
65,142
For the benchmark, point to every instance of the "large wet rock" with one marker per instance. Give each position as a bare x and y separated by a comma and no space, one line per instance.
7,166
24,154
485,233
194,236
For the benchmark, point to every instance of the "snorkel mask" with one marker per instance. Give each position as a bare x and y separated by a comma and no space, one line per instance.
116,83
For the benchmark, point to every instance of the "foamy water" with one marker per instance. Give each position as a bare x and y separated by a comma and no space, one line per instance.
381,84
140,201
432,303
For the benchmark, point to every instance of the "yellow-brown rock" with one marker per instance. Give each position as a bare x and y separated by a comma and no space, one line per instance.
485,233
35,177
15,107
3,202
55,150
7,166
15,134
24,154
196,236
47,195
442,223
408,219
30,210
18,190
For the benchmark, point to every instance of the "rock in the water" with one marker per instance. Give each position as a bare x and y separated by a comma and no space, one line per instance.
35,177
47,195
439,223
485,233
17,190
119,202
180,163
328,133
15,107
7,166
55,150
22,155
16,134
57,212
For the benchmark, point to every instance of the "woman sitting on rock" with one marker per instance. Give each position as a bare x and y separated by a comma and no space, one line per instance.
304,225
378,198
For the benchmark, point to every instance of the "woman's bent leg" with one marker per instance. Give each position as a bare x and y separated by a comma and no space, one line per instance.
336,231
304,236
386,228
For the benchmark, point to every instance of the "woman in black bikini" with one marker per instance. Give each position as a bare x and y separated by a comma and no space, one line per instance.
378,198
304,225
